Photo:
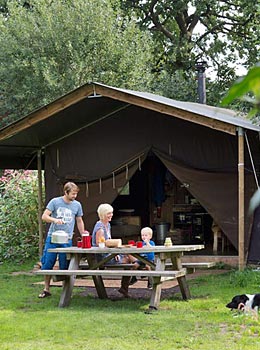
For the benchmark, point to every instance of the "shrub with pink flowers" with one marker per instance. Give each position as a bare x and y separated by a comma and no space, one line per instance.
19,238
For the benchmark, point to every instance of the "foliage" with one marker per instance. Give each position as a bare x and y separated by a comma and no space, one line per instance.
190,31
52,47
168,85
223,34
242,89
49,48
245,278
201,323
18,215
183,86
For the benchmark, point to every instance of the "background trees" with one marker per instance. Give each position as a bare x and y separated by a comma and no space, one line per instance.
223,33
51,47
220,32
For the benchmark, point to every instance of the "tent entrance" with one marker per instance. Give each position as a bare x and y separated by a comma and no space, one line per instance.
155,197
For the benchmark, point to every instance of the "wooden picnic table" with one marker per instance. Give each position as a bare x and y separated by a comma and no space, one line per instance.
158,271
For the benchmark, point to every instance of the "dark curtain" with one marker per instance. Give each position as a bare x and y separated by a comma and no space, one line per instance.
93,193
218,194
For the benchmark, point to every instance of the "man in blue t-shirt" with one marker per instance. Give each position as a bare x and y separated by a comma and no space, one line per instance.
61,213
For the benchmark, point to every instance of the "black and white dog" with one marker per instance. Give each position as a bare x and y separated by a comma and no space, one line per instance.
245,302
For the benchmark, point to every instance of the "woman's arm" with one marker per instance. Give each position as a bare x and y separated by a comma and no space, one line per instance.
100,233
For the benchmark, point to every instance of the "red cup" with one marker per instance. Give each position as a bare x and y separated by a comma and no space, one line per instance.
131,242
139,244
86,240
79,244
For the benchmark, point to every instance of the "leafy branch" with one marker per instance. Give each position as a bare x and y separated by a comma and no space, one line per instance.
246,89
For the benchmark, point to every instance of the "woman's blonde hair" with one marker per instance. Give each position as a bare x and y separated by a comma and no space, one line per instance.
103,209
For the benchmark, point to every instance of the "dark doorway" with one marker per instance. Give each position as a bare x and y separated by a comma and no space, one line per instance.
154,197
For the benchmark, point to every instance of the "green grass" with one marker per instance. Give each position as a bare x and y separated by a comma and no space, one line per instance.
203,322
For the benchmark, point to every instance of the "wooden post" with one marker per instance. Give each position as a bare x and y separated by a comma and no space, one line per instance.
241,209
40,226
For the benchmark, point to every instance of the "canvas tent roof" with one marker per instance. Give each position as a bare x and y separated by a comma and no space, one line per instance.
221,114
97,133
21,140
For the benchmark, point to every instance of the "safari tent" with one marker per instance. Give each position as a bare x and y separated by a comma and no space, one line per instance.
100,137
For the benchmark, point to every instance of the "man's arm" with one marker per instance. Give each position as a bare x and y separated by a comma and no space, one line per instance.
80,224
46,216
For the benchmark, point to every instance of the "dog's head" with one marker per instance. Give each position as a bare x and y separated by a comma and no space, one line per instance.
237,301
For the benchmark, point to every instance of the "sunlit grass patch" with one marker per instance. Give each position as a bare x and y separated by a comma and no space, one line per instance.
203,322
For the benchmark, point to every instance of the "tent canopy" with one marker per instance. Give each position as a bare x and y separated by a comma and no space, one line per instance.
99,135
92,103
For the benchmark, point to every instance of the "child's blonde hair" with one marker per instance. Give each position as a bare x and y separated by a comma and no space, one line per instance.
147,230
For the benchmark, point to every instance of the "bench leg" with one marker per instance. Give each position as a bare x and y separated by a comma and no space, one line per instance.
185,291
176,263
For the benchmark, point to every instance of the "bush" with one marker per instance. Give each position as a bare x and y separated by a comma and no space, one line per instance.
18,215
245,278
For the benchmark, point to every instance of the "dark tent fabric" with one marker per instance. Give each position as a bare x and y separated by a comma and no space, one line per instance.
99,135
204,158
217,192
93,193
254,246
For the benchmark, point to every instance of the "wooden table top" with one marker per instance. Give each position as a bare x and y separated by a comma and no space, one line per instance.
129,250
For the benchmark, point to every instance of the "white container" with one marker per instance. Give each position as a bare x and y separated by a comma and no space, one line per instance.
60,237
101,245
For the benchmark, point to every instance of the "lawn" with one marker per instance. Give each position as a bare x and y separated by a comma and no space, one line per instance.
203,322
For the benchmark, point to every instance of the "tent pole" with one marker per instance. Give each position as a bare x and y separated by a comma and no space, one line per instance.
40,226
241,192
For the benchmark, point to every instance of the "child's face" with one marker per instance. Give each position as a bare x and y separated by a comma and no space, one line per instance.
146,236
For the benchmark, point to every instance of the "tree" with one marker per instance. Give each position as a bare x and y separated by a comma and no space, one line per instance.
222,33
188,31
49,48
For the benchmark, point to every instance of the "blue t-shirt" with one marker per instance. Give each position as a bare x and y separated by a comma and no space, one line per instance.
149,256
65,211
98,226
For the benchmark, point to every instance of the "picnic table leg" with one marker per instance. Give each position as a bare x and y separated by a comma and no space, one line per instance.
100,288
98,280
157,284
184,287
68,283
156,293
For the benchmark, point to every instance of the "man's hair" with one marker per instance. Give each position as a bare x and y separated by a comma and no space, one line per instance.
103,209
70,186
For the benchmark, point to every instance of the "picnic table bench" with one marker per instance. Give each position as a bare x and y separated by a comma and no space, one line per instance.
190,266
